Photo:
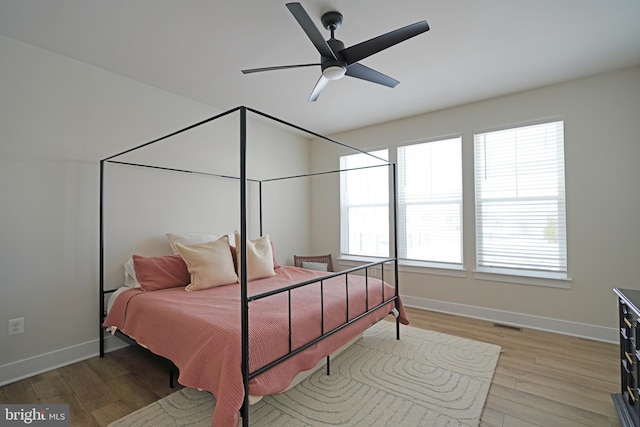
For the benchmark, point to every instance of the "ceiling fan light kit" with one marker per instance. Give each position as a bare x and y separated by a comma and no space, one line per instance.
334,72
336,61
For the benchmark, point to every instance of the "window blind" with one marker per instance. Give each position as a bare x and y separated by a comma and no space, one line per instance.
364,204
430,201
520,199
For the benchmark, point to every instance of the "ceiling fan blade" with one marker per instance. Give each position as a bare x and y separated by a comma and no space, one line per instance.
360,71
317,90
367,48
310,29
279,67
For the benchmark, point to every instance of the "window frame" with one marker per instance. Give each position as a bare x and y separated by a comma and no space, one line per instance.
434,266
541,276
388,203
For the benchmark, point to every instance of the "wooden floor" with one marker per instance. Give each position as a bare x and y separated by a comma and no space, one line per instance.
542,379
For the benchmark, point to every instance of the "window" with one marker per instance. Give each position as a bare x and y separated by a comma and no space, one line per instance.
364,204
430,201
520,202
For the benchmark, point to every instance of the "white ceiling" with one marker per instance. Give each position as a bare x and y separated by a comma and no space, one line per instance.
474,50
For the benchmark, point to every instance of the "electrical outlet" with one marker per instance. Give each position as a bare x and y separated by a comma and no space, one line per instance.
16,326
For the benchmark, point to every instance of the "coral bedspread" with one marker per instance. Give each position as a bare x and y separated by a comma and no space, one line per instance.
200,331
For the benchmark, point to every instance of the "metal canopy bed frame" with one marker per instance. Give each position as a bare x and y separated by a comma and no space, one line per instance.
245,298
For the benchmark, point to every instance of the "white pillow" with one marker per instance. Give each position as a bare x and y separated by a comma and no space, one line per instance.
320,266
189,239
209,264
130,279
259,257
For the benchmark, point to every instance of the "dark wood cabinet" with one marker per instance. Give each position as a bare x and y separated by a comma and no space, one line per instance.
627,402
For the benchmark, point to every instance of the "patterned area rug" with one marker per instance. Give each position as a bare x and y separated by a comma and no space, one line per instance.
425,379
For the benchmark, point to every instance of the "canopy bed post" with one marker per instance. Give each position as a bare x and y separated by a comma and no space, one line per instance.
244,306
260,204
395,243
101,266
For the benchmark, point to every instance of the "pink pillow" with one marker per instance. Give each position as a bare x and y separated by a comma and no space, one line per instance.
275,261
161,272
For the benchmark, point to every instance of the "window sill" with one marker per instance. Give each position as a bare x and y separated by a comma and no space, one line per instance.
355,260
432,268
410,266
553,280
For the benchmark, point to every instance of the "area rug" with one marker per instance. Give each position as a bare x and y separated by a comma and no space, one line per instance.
424,379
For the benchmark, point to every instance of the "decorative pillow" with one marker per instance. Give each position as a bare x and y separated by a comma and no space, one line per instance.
275,261
189,239
209,264
320,266
130,279
259,257
234,253
160,272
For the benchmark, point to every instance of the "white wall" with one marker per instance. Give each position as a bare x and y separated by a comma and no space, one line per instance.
58,118
602,153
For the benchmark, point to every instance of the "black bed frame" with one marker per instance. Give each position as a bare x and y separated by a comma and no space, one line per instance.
245,298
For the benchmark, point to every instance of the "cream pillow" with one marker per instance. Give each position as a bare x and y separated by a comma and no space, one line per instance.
189,239
209,264
259,257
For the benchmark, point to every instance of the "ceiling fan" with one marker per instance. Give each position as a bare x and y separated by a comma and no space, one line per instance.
336,61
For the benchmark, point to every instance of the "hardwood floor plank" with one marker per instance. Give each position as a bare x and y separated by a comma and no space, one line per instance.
504,380
147,368
602,370
532,415
48,388
107,368
78,414
514,422
88,386
19,392
491,418
110,413
133,391
563,391
588,413
519,369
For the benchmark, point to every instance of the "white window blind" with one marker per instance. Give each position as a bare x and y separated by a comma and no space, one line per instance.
520,200
364,204
430,201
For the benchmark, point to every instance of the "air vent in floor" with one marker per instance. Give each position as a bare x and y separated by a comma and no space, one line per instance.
513,328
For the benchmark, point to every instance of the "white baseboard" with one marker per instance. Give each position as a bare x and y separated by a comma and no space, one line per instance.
15,371
582,330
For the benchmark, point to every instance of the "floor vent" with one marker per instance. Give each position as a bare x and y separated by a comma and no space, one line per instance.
513,328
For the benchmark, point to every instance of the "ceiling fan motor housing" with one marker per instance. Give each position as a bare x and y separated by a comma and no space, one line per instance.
335,45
